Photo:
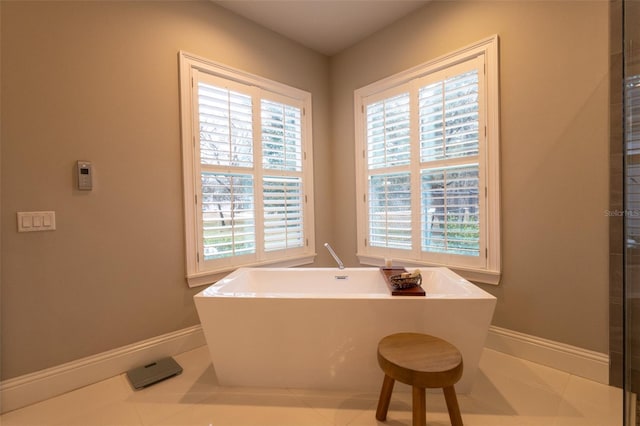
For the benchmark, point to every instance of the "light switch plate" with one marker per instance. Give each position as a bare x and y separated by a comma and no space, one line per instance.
36,221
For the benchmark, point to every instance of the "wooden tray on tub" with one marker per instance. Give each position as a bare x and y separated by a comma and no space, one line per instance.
413,291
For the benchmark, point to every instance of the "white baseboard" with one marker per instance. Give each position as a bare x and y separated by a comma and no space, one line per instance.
34,387
31,388
571,359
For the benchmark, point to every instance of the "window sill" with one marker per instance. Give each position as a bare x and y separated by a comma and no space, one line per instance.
475,275
210,277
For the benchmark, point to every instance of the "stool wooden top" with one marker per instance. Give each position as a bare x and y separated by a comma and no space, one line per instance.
420,360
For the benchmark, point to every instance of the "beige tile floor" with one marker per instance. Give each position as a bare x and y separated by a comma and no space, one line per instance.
508,391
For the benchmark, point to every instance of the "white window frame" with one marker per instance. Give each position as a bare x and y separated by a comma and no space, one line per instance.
199,271
487,267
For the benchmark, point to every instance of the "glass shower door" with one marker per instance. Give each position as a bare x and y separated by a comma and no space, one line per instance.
631,55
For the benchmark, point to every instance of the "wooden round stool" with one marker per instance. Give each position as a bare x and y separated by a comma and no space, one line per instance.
421,361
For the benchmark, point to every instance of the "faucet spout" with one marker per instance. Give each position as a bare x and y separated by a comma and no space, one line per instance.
335,256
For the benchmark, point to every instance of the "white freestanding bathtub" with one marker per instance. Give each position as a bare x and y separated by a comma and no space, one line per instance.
318,328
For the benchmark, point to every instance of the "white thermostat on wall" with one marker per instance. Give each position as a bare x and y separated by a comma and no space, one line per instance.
85,175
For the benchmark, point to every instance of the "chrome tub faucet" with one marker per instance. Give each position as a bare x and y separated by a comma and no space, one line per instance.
335,256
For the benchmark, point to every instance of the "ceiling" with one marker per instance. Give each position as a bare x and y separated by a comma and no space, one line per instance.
326,26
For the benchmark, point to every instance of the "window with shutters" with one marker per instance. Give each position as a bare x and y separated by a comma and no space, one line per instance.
247,163
427,165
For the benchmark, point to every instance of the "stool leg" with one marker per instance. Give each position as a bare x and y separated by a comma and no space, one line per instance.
385,398
419,407
452,406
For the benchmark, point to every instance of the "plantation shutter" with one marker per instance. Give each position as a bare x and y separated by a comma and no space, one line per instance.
449,122
281,136
226,141
389,197
439,114
388,132
226,132
450,210
247,158
226,122
228,224
283,204
390,211
427,165
283,192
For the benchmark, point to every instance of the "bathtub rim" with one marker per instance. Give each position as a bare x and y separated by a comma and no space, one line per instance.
214,291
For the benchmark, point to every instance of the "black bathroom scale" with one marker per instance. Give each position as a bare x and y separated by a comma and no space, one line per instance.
153,373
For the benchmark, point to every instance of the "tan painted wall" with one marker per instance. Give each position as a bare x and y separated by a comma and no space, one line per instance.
554,150
98,81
